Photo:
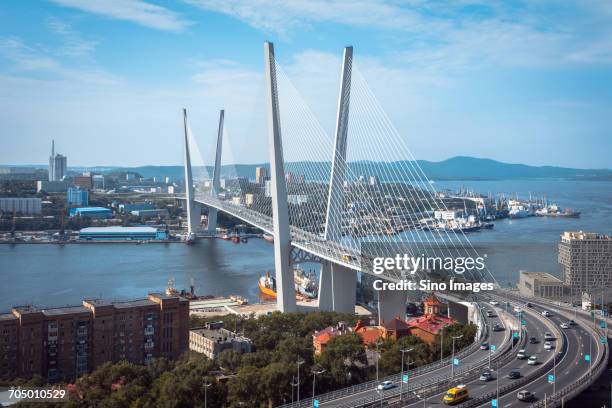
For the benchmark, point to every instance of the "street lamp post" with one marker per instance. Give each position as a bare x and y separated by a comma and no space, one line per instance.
378,344
299,363
314,380
453,357
206,385
293,385
442,344
402,371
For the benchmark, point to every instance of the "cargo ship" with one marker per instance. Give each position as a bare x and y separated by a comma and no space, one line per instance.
305,284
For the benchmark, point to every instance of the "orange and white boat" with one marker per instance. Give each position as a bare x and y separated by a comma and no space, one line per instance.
267,285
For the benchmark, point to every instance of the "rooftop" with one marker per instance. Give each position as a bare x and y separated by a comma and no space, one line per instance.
581,235
431,324
542,277
65,310
7,316
86,209
134,303
106,230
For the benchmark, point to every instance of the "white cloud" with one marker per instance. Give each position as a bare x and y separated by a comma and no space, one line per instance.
136,11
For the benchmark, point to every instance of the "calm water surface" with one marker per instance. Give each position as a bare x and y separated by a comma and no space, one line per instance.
50,275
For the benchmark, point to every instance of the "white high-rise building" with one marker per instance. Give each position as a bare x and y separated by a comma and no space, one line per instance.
58,165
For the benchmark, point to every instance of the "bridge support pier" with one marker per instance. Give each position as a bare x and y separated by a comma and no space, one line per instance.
391,303
337,288
194,210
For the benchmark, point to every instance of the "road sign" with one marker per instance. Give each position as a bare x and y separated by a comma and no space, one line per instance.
602,325
524,323
493,347
587,357
603,340
550,378
456,361
405,378
315,403
494,403
516,335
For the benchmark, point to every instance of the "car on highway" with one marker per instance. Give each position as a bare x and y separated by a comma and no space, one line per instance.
456,395
525,395
484,345
533,340
546,313
549,337
528,304
514,374
497,327
486,376
533,360
548,345
494,302
572,323
385,385
518,309
522,354
490,313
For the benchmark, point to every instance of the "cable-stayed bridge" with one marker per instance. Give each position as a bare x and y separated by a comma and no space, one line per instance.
344,201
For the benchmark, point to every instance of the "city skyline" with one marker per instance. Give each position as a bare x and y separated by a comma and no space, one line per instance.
108,81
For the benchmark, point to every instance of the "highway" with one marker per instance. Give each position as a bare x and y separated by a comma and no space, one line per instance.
570,366
535,327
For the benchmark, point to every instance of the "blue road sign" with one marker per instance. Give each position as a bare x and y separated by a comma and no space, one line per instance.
587,357
603,340
456,361
550,378
494,403
524,323
602,325
315,404
516,335
405,378
493,347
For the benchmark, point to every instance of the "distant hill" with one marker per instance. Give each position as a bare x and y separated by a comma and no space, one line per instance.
456,168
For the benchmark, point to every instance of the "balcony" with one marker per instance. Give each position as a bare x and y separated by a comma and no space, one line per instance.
149,331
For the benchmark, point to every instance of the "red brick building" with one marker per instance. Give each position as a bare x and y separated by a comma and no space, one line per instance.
429,325
66,342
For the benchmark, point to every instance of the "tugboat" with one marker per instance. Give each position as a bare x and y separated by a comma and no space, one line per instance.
267,285
305,284
268,238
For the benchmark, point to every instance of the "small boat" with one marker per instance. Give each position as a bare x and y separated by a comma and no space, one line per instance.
235,239
268,238
225,237
267,285
190,239
239,299
305,284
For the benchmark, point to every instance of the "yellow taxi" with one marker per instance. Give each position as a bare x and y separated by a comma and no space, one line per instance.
456,395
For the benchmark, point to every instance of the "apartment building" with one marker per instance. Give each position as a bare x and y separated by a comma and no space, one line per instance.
66,342
586,260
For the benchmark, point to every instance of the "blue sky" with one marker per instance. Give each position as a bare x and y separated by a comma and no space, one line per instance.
527,82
